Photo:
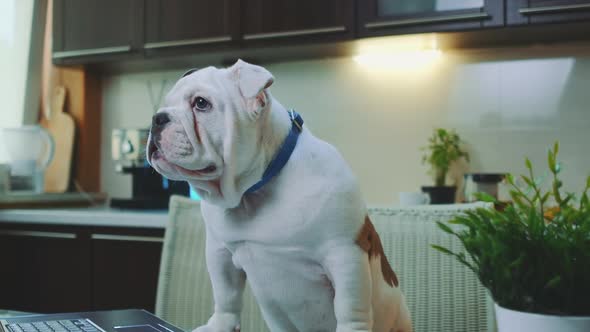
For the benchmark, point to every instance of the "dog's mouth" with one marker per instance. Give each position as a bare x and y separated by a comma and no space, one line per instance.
154,155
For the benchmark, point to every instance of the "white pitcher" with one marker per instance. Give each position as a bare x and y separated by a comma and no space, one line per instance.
30,150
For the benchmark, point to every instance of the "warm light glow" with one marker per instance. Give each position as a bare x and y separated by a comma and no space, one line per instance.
399,59
406,52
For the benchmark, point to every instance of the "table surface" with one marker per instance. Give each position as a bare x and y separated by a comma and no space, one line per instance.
11,313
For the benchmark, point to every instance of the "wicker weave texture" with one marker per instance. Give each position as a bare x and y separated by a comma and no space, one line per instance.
442,294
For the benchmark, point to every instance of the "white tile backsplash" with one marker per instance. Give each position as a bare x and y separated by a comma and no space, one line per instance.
506,105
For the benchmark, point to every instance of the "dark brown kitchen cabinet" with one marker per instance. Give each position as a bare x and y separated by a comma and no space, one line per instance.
61,268
543,11
121,31
44,270
390,17
173,24
296,21
126,266
90,29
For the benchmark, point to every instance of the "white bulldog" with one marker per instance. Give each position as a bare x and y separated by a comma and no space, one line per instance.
303,240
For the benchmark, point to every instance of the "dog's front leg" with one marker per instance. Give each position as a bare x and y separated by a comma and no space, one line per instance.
228,285
348,267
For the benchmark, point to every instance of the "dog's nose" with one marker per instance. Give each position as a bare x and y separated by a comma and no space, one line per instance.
160,120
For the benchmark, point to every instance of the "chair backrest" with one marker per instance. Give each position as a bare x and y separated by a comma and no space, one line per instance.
442,294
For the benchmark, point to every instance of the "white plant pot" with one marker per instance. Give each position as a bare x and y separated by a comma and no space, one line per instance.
509,321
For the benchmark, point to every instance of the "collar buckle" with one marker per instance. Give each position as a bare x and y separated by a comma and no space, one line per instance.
296,119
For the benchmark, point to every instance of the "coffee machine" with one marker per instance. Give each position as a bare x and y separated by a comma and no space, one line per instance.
150,189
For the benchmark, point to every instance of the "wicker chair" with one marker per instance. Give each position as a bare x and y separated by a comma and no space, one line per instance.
184,296
442,295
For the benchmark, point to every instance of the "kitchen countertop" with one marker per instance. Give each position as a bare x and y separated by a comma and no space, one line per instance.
109,217
94,216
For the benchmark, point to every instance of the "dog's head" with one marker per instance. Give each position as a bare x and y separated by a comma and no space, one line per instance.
208,129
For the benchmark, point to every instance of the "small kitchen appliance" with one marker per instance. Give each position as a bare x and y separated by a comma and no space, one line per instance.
149,189
30,150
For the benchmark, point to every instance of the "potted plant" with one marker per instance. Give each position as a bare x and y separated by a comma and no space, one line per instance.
533,255
443,149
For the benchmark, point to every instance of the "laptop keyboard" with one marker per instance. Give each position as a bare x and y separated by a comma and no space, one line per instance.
70,325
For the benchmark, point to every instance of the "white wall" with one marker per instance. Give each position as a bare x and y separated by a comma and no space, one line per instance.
506,104
16,18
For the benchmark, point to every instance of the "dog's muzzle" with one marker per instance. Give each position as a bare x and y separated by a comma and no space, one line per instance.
159,121
155,152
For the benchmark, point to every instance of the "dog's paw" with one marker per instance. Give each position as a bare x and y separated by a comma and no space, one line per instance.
221,322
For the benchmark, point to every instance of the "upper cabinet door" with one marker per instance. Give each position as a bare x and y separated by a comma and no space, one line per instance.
171,24
544,11
301,20
94,28
385,17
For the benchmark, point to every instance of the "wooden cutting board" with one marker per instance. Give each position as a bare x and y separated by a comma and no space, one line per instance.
61,127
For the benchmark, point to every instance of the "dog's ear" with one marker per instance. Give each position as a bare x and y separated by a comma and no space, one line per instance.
252,80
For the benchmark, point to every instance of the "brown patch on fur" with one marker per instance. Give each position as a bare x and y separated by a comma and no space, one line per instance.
369,241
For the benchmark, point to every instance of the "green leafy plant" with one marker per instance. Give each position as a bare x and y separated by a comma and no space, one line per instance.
534,255
442,150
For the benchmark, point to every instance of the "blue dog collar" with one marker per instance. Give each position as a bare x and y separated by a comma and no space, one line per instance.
284,153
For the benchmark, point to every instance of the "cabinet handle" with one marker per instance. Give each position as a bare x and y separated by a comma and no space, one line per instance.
293,33
135,238
427,20
186,42
54,235
91,51
553,9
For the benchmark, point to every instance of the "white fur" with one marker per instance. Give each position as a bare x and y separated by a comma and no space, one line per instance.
294,239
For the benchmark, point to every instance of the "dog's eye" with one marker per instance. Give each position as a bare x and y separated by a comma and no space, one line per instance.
201,104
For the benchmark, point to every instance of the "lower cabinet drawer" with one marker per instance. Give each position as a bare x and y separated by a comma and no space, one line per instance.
44,271
50,269
125,271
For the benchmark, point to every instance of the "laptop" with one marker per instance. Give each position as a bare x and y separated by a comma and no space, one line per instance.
132,320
